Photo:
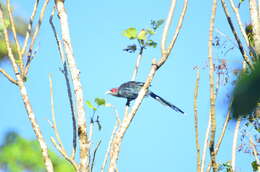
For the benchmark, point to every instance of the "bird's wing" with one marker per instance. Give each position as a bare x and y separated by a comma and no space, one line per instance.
130,89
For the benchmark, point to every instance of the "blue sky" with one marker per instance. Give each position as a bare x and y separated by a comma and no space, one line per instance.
159,139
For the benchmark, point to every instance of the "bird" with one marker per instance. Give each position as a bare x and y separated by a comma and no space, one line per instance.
130,90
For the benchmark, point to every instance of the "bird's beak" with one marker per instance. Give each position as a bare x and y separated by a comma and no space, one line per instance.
108,92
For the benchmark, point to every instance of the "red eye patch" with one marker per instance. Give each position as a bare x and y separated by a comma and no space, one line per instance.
114,90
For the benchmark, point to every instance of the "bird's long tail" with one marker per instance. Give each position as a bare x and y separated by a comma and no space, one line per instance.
164,102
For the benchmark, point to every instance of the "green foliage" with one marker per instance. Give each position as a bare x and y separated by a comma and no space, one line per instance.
255,165
225,167
142,36
156,23
246,92
90,105
130,33
100,102
18,154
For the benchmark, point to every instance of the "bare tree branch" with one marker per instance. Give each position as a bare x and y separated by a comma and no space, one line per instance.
206,141
25,98
137,64
68,85
211,85
75,75
20,61
167,25
195,106
12,80
234,146
224,128
94,155
35,34
240,46
54,125
64,154
29,29
241,26
110,143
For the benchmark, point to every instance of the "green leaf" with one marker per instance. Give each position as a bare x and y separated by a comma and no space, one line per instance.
142,35
160,22
89,104
100,101
156,23
254,165
150,31
130,33
151,43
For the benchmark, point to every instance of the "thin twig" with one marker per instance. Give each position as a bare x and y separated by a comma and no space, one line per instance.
66,76
241,26
206,141
211,85
20,61
115,147
35,34
118,122
64,154
234,145
78,92
196,119
137,64
222,132
179,25
12,80
54,125
240,46
25,98
224,128
167,25
29,29
94,155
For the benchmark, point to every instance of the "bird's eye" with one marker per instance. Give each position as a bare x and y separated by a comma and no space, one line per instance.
113,90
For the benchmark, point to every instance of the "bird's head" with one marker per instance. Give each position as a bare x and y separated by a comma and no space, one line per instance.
113,92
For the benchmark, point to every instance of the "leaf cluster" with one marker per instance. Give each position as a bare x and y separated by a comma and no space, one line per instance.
142,36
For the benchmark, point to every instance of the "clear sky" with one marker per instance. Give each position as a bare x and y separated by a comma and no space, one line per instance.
159,139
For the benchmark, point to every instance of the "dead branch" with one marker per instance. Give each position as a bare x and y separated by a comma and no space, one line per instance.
78,92
234,145
12,80
68,85
20,61
29,29
35,34
211,85
240,46
195,106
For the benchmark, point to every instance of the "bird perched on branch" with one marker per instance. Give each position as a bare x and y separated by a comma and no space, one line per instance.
130,90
